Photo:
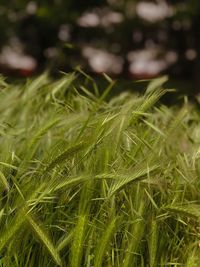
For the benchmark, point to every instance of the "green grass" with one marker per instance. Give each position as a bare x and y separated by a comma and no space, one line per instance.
86,181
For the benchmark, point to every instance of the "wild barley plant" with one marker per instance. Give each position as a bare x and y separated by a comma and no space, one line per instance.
87,180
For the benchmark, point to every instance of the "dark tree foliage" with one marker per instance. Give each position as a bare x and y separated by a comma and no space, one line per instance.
56,32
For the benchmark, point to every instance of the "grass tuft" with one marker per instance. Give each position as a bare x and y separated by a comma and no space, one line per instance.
112,181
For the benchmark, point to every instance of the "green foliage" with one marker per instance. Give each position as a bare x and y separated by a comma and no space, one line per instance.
87,181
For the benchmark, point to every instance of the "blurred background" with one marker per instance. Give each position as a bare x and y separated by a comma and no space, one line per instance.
130,39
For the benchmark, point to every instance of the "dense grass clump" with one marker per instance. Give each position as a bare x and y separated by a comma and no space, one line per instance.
88,182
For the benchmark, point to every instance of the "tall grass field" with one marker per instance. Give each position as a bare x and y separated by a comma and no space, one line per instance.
89,180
